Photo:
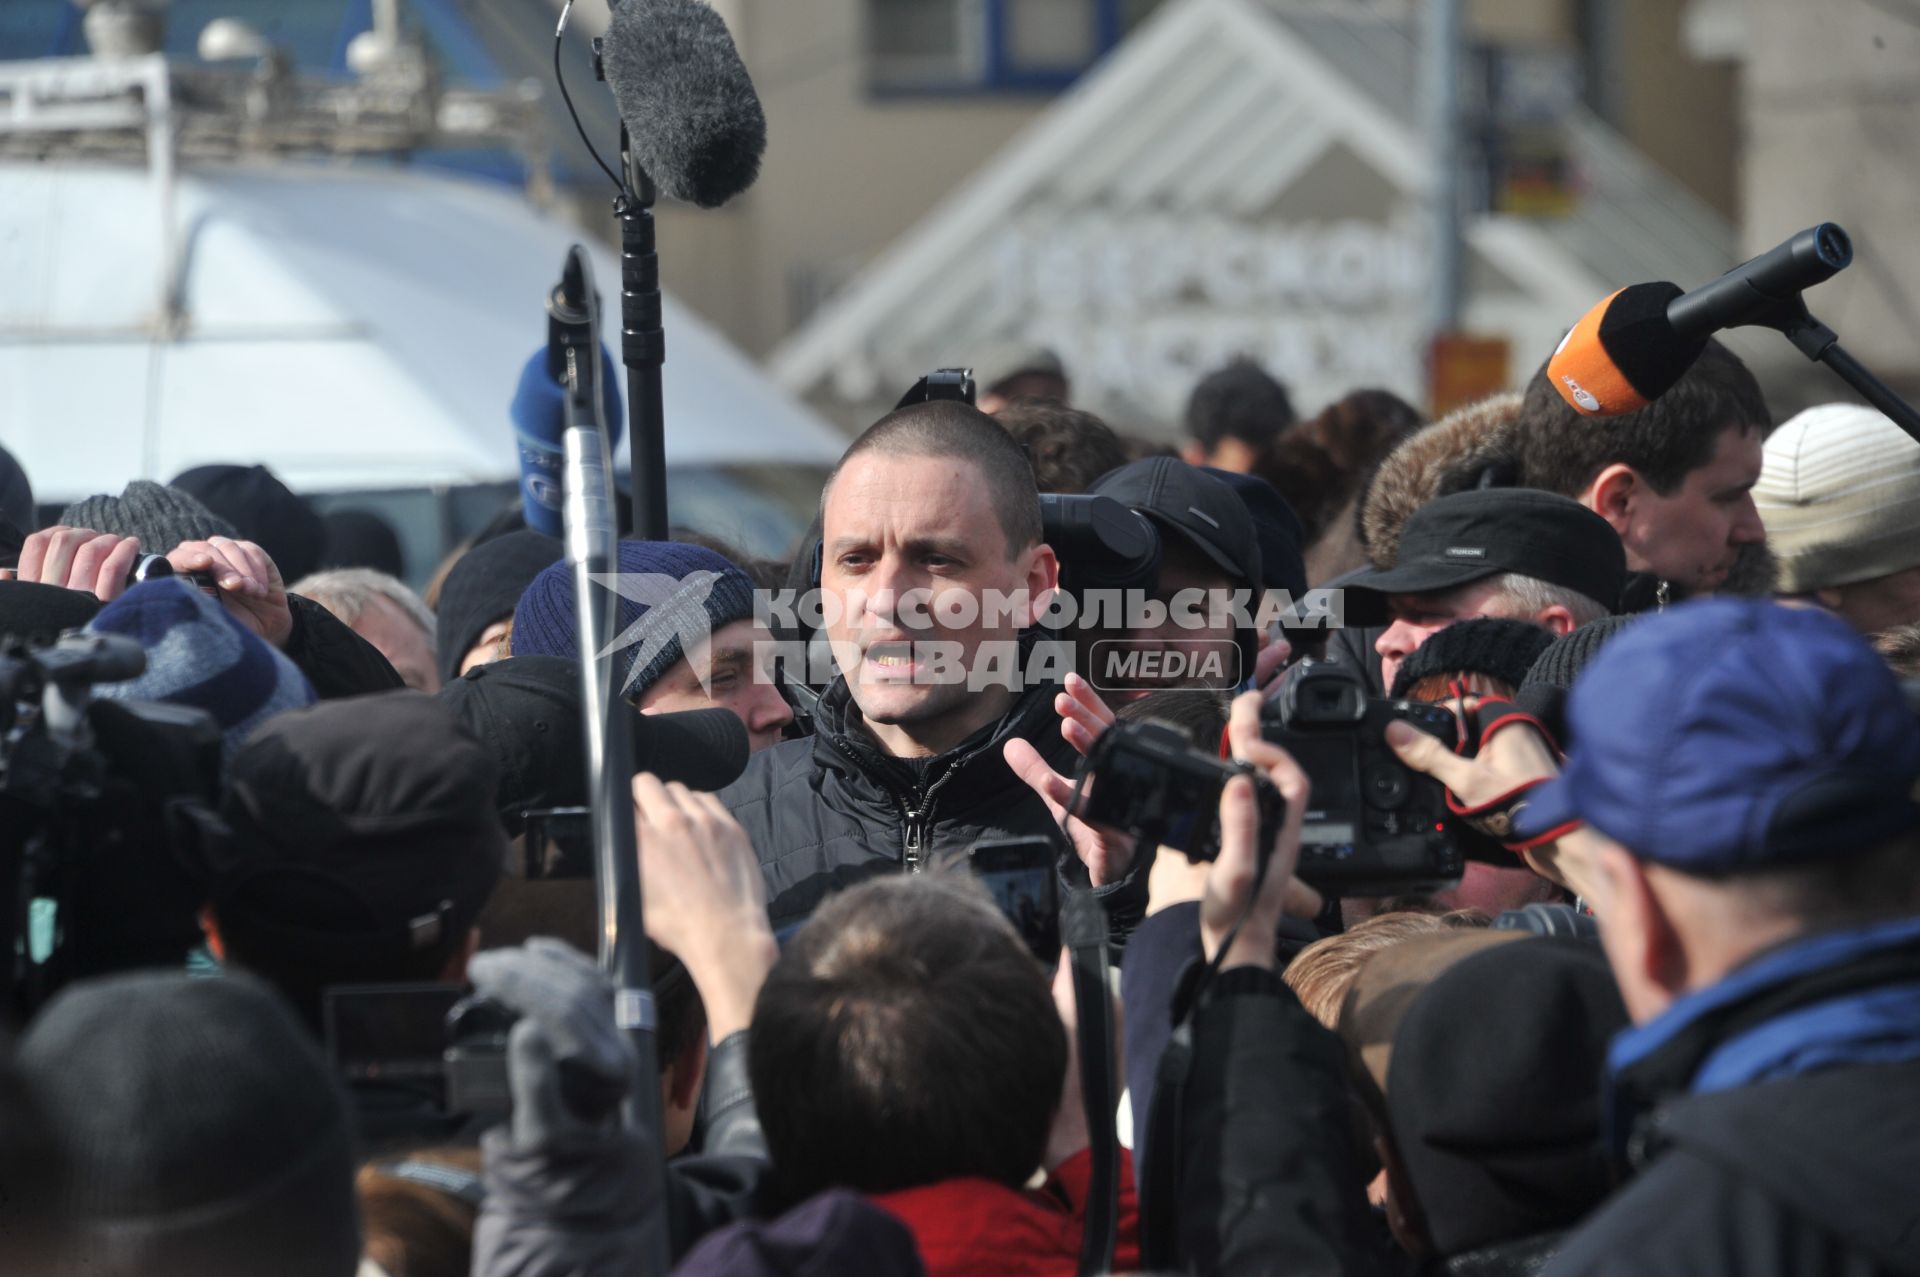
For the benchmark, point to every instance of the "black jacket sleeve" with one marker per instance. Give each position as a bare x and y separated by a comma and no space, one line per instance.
733,1124
338,662
1268,1178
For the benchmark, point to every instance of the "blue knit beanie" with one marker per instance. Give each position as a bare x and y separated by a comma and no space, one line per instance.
667,590
202,658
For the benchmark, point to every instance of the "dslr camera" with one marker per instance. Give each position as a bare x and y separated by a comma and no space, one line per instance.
1376,827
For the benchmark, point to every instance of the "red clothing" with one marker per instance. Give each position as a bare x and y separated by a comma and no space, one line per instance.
977,1228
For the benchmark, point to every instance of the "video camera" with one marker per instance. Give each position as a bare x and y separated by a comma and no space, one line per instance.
99,801
449,1044
1102,544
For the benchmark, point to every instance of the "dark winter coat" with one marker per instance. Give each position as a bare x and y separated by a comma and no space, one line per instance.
1811,1169
827,812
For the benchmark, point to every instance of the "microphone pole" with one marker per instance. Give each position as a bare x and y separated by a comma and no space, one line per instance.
1824,250
643,347
592,545
1822,345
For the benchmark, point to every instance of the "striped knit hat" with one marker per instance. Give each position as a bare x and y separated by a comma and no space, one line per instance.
200,657
1840,495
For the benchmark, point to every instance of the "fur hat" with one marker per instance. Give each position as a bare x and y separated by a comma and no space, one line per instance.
1453,454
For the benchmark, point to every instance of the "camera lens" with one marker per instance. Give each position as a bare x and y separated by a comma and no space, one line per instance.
150,567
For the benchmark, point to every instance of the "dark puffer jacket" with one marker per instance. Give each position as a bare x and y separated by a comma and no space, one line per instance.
830,811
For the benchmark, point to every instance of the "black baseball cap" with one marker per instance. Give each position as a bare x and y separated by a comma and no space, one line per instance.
1205,511
1456,540
1275,526
525,711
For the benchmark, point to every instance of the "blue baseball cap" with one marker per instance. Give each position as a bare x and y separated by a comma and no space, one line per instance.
1735,735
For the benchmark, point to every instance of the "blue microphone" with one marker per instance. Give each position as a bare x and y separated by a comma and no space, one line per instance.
540,422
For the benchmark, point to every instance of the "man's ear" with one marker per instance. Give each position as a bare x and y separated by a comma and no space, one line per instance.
455,972
1613,494
1194,453
210,928
1042,579
1556,620
1649,962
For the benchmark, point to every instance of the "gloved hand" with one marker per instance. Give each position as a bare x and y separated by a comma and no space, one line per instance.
568,1064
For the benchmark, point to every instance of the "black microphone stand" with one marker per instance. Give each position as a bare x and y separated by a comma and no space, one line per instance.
1822,345
1789,316
592,544
643,346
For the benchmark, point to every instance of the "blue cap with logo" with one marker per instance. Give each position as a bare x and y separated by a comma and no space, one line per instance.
1735,735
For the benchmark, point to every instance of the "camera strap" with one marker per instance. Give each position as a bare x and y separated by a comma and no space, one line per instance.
1084,936
1083,930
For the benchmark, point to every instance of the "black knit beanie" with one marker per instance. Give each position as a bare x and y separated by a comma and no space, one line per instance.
162,517
202,1132
1543,693
1494,1098
483,587
1489,646
266,511
1561,661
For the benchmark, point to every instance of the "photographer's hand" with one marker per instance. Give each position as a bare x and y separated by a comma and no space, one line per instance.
1107,853
1514,756
250,584
1231,882
705,898
566,1026
1270,664
78,559
1083,714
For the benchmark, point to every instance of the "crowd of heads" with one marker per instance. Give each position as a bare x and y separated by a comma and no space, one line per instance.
1674,642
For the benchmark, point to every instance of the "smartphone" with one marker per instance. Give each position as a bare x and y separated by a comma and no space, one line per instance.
1020,875
557,842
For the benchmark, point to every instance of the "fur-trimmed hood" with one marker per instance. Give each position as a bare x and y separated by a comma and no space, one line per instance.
1449,456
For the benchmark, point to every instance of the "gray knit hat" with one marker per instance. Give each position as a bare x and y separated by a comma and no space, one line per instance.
1839,492
160,516
202,1132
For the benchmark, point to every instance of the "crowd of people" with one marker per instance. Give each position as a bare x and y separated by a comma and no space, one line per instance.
304,965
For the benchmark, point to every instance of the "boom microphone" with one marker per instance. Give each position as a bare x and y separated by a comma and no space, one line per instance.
1631,348
693,120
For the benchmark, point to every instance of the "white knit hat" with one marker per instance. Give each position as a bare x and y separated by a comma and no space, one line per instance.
1840,494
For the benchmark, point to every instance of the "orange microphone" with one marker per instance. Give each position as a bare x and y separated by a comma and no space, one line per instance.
1623,354
1630,349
